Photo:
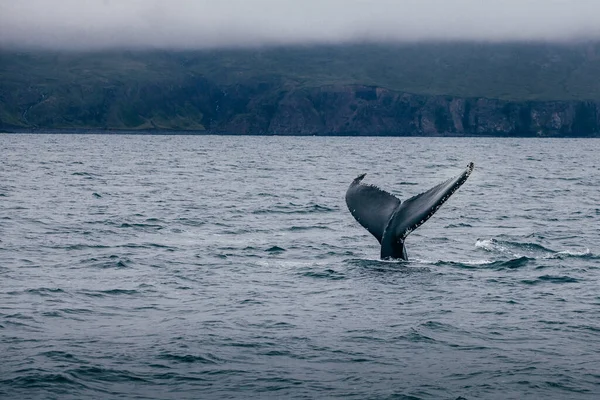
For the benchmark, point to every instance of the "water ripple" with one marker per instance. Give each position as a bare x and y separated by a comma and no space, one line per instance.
163,267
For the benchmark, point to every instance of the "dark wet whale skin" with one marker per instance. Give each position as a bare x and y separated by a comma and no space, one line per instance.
390,220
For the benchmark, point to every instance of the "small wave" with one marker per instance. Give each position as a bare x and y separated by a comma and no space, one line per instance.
572,253
497,265
110,292
319,208
459,225
474,264
20,316
266,194
21,321
52,314
566,387
146,246
76,311
590,328
114,262
387,266
277,353
483,261
306,228
270,324
41,379
275,249
366,262
171,376
104,374
12,323
326,274
85,174
417,337
45,291
190,359
150,226
85,246
292,208
506,246
438,326
531,250
119,291
511,264
190,222
58,355
251,301
550,279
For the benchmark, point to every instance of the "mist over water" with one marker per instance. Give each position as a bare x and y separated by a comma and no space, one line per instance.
93,24
209,267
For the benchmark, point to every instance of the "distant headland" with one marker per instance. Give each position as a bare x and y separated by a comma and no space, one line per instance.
418,89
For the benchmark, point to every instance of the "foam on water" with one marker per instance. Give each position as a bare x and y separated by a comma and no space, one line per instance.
574,253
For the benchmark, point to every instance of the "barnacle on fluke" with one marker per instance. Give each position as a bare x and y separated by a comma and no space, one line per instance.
390,220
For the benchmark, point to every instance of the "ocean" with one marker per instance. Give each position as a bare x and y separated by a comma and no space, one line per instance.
226,267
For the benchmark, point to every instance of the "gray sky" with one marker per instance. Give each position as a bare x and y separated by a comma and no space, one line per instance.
90,24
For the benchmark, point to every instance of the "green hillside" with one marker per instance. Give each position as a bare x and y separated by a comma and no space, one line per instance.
175,89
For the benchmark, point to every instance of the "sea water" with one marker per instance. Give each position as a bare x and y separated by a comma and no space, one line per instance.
188,267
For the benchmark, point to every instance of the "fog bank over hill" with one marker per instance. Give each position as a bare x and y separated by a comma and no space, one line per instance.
194,24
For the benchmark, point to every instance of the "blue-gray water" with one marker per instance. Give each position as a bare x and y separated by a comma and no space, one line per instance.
185,267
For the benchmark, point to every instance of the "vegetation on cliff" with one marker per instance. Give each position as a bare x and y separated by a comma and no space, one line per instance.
428,88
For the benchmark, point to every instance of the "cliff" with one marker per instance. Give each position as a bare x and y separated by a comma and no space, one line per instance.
432,90
328,110
379,111
365,110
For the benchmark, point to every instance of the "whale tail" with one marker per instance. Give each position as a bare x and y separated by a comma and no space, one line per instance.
390,220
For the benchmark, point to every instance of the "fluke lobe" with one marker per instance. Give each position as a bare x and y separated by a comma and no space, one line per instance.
390,220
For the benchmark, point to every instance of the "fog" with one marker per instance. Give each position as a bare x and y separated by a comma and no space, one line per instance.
93,24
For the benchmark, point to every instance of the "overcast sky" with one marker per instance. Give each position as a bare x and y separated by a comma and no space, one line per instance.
90,24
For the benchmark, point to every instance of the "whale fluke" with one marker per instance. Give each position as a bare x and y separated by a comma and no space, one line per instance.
390,220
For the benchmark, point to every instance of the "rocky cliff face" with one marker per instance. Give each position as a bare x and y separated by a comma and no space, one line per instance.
277,108
363,110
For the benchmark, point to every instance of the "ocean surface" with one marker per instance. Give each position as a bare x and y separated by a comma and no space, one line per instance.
207,267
